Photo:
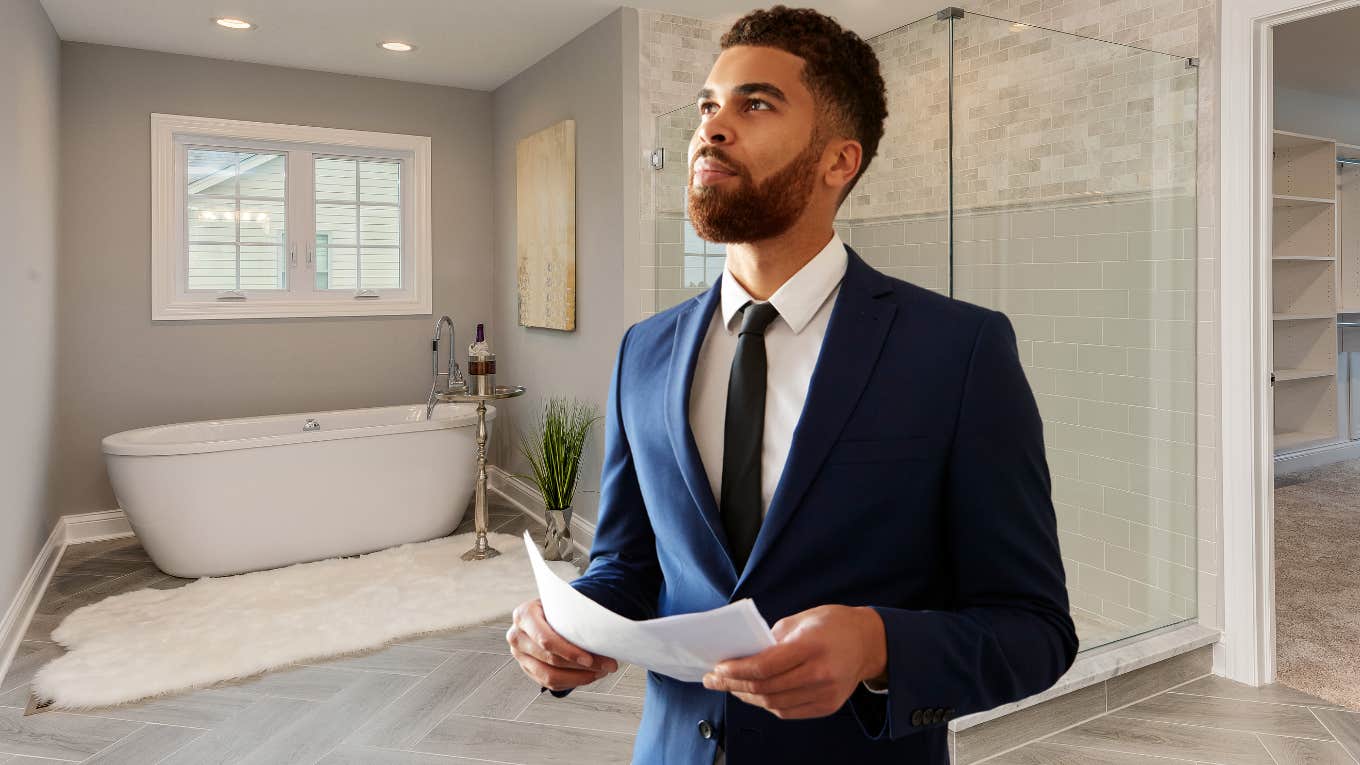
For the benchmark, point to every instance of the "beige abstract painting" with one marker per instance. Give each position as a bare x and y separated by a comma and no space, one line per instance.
545,195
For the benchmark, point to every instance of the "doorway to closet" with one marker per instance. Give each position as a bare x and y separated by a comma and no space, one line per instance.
1315,353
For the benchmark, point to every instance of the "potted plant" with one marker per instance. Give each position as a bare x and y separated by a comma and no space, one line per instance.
554,450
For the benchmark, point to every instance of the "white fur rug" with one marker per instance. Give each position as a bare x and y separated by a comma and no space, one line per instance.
153,642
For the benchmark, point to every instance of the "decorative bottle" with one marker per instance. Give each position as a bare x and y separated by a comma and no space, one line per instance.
482,364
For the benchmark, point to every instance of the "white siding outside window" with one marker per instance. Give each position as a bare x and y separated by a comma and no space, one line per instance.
257,220
236,220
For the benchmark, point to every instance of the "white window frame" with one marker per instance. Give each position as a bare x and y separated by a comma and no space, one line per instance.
170,297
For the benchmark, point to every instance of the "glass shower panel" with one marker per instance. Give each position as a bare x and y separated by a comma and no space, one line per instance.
1070,206
898,216
685,264
1074,213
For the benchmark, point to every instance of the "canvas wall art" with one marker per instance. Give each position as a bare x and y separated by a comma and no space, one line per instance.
545,195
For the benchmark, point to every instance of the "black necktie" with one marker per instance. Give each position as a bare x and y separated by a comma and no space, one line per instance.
743,432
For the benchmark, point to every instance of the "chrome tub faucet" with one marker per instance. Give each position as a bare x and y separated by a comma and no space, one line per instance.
453,378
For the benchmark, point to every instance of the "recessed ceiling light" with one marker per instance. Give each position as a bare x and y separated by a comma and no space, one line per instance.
231,23
397,47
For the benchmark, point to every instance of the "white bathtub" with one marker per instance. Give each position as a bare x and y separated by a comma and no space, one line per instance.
229,496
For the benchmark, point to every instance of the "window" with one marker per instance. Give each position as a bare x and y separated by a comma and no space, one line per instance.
704,260
256,220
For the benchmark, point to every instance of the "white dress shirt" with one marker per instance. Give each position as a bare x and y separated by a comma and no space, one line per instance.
792,342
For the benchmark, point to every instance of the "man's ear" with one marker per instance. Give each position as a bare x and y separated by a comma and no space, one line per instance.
847,156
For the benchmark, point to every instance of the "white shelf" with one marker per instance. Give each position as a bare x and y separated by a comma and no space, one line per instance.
1303,316
1289,200
1287,139
1286,375
1303,257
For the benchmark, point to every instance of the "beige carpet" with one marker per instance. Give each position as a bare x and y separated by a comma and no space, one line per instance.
1317,581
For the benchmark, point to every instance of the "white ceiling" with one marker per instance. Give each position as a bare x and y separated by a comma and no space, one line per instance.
1321,54
461,43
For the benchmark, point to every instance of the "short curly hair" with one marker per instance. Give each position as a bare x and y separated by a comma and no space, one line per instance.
840,69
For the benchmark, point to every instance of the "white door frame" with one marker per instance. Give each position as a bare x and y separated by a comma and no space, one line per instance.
1246,117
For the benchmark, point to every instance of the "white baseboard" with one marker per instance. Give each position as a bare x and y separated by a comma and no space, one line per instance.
521,494
96,527
68,530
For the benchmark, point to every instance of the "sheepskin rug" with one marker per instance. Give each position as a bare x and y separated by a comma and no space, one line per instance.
154,642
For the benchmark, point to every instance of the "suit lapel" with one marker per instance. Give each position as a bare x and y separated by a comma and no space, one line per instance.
854,337
690,328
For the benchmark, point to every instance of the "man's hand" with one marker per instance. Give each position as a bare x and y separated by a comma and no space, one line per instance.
547,657
820,656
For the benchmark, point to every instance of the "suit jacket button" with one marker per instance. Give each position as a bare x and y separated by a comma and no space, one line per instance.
705,729
916,717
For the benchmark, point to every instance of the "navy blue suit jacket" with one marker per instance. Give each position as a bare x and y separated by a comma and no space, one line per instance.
916,483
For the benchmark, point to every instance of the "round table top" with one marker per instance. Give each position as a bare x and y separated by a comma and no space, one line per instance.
500,391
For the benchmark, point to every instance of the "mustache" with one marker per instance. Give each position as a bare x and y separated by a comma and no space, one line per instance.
720,157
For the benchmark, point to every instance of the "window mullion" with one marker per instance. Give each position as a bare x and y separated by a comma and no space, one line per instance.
358,230
236,216
302,213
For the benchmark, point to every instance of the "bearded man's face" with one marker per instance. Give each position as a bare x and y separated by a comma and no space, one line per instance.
754,160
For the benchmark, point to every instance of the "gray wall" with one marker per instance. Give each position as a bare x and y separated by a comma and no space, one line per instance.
1319,114
29,98
119,370
587,80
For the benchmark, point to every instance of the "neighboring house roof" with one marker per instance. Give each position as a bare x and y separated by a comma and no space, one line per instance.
226,176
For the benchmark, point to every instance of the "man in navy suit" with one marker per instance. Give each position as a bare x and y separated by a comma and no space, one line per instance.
861,456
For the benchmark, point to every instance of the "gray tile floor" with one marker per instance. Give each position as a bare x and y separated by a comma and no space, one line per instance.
458,697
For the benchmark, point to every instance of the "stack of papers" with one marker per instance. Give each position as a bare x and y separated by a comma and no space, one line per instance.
685,646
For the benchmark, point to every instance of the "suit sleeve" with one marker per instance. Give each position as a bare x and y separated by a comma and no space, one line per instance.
1009,634
624,575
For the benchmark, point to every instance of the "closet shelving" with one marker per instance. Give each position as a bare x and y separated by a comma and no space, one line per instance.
1348,219
1305,285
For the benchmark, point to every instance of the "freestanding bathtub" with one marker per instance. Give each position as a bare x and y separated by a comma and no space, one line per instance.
230,496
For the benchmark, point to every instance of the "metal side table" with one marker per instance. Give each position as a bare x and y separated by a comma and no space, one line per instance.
481,550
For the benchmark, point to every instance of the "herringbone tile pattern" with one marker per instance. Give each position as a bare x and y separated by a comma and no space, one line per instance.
458,697
442,698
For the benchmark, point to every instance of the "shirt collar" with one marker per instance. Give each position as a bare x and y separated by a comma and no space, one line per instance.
798,299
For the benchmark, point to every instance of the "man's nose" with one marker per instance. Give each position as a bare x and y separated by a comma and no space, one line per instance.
715,129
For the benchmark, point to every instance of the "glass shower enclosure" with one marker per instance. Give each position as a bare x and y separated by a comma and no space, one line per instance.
1050,176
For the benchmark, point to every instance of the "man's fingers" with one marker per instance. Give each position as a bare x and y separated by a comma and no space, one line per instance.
807,674
779,703
519,641
532,634
555,678
775,660
540,630
533,625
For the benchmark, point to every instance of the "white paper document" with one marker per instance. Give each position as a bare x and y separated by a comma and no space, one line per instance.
684,646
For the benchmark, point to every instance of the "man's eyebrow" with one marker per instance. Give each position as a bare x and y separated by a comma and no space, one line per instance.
746,89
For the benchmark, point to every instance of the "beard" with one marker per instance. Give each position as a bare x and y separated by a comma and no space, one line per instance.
753,212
